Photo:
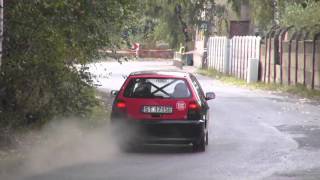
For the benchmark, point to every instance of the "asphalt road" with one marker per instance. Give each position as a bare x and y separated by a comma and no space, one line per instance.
252,135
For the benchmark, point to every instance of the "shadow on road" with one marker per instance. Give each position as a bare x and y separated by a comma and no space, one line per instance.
117,167
306,136
308,174
161,149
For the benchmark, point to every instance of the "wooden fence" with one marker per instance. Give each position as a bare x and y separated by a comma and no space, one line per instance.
218,48
242,49
288,62
231,56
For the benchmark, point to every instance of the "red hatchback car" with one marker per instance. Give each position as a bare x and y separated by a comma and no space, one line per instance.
161,107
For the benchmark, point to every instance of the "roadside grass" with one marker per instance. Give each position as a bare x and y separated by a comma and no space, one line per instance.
298,90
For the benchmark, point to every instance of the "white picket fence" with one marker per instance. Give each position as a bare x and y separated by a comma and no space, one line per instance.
218,53
231,56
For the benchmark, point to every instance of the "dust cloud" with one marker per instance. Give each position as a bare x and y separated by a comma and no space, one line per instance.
66,143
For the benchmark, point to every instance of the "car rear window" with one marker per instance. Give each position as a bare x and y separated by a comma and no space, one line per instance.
157,88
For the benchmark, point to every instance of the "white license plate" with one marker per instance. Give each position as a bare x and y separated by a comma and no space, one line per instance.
157,109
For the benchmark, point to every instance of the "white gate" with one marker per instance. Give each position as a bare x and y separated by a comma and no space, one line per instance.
231,56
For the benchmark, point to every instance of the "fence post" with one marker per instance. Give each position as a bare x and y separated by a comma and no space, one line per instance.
207,65
305,57
245,58
236,55
230,56
252,74
226,56
315,38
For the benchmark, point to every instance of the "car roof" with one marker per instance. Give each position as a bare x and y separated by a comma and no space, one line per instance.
169,73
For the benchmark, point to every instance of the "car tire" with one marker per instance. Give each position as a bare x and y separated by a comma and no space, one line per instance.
129,147
207,138
200,145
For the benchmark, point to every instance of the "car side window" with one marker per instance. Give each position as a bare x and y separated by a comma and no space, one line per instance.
198,88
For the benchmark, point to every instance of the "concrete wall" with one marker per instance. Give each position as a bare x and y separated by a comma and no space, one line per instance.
317,68
301,64
272,69
262,64
308,72
296,67
163,54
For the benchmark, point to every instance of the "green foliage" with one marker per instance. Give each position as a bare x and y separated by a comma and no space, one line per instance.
292,12
173,21
164,32
46,45
236,4
302,15
261,11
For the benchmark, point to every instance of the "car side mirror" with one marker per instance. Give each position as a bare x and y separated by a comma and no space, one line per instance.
210,95
114,92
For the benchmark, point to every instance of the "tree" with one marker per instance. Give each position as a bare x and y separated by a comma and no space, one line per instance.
46,45
267,13
1,29
302,15
174,21
261,11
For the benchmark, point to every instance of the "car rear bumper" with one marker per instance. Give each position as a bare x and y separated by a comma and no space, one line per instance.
162,132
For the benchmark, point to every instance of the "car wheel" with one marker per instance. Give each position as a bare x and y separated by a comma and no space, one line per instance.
129,147
207,138
200,145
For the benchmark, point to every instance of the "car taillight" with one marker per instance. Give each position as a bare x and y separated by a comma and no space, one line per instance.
121,105
193,106
119,110
194,112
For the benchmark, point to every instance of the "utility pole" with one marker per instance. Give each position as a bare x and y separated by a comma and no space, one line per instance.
1,30
276,12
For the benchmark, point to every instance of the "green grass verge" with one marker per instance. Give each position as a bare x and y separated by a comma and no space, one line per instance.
298,90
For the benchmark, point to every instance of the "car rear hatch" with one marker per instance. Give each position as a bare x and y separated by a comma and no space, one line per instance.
157,98
157,109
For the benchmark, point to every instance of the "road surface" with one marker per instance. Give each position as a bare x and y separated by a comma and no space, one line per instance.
253,135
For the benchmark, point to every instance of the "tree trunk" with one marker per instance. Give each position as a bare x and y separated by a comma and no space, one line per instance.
1,30
184,26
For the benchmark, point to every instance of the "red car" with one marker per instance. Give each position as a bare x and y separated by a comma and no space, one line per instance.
161,107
